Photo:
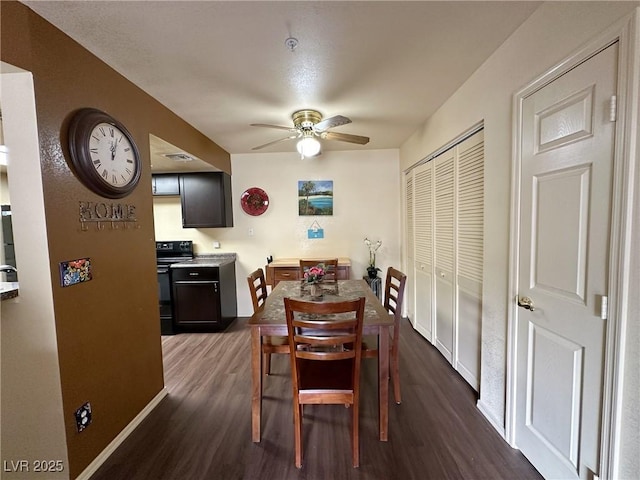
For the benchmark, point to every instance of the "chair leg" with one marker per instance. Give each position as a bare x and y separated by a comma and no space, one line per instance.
297,420
395,374
267,363
355,436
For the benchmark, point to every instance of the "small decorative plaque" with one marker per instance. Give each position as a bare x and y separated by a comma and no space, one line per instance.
75,271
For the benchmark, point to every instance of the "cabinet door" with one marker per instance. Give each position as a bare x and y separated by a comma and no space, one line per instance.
197,303
166,184
206,200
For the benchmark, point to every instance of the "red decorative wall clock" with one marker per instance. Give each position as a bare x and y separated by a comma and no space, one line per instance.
254,201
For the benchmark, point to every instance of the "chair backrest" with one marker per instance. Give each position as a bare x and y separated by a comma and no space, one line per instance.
330,267
258,289
324,331
394,295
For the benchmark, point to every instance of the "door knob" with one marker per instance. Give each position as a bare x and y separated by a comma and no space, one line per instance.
526,302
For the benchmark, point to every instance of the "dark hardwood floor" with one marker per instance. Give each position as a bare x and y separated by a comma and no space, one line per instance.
202,429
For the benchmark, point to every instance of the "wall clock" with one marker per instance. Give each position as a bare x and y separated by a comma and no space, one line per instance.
254,201
103,153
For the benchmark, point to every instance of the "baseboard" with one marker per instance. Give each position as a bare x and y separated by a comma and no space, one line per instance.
495,423
115,443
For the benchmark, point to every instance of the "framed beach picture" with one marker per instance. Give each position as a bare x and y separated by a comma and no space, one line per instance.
315,197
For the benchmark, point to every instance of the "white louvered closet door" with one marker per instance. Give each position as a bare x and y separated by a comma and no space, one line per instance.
423,265
409,230
470,256
444,168
445,225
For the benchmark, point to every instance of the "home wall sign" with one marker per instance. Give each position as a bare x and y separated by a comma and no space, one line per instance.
102,214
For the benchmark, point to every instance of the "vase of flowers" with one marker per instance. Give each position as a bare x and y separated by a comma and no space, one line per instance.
313,277
372,270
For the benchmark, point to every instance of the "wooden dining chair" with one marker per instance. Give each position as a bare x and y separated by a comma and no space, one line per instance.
325,342
273,344
331,267
393,297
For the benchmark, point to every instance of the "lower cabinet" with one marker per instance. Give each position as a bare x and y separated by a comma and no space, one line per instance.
204,298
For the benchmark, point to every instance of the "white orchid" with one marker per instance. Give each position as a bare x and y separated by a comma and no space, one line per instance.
373,248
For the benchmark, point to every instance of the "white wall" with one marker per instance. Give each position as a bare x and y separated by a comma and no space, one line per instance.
32,415
551,34
4,189
366,187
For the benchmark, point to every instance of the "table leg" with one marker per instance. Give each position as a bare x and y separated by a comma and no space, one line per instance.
256,383
383,382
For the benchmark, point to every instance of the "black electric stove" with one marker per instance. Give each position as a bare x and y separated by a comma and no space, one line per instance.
167,253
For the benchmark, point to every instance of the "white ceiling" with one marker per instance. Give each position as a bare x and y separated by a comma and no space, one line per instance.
223,65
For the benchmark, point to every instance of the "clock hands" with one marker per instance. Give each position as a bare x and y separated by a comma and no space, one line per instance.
114,147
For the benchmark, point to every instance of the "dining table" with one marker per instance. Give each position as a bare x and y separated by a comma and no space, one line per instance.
270,320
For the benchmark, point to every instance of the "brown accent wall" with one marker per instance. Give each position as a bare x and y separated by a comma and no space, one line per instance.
108,329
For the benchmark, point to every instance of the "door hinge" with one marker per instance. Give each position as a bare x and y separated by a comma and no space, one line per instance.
613,108
604,307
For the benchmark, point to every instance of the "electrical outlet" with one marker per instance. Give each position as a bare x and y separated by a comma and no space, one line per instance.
83,417
251,232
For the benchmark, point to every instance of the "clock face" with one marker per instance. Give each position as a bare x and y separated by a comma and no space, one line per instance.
112,155
103,153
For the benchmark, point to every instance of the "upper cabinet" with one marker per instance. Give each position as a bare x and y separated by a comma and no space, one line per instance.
165,184
206,200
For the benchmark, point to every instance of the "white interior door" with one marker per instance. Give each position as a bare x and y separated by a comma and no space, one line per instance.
566,176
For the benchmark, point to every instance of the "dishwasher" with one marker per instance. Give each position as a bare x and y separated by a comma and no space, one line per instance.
200,303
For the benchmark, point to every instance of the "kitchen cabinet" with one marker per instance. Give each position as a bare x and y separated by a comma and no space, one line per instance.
289,269
206,200
165,184
204,298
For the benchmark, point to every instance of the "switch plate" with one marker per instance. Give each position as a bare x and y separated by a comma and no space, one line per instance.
216,244
83,417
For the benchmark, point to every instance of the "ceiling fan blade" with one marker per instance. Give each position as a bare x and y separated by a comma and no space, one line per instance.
279,127
274,142
331,122
345,137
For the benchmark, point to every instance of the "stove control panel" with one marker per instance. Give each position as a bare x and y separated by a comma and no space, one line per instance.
176,247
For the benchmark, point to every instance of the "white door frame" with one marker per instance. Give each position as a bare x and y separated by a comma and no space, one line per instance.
627,33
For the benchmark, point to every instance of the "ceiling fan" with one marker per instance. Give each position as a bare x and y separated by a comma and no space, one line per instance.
308,126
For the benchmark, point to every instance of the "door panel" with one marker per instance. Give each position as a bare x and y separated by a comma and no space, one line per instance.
444,253
424,300
566,175
553,360
423,227
570,189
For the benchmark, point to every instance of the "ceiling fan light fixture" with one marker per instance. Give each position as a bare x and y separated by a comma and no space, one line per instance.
308,147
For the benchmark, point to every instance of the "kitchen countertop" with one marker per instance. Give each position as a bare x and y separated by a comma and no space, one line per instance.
208,260
8,290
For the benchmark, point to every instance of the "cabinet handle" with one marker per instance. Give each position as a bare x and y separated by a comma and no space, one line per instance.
286,274
194,274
